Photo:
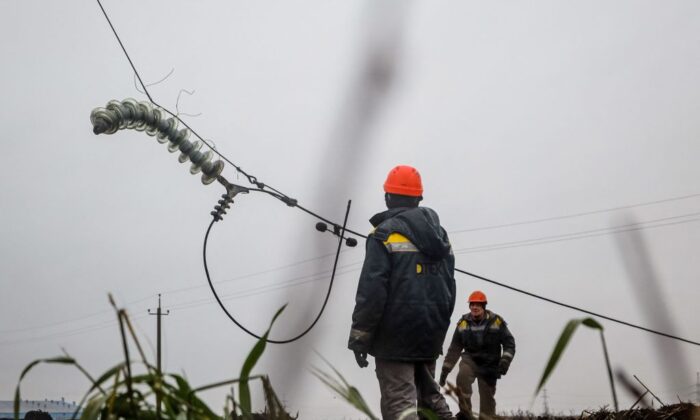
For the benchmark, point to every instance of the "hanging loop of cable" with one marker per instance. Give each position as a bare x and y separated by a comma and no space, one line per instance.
325,300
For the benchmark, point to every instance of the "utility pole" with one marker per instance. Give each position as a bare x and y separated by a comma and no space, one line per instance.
159,313
697,388
546,402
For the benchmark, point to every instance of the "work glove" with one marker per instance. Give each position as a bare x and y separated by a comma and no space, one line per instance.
361,359
443,377
503,366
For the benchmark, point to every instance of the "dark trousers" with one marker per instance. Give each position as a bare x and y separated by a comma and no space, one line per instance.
487,391
405,385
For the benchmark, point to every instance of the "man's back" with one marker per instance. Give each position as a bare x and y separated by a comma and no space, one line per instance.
406,292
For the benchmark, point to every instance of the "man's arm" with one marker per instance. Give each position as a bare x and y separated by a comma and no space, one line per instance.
508,343
453,283
453,353
371,296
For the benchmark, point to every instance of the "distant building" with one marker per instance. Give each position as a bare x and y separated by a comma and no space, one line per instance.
58,409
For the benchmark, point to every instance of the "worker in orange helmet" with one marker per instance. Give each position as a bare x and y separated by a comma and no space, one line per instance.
487,348
405,298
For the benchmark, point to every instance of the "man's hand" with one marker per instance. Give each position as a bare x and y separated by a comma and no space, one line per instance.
361,359
443,378
503,366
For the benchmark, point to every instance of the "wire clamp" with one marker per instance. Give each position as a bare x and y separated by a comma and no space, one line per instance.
337,231
226,199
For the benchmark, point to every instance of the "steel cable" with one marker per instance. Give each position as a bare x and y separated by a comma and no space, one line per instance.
325,300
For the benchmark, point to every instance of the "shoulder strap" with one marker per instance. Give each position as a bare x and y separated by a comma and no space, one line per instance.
381,232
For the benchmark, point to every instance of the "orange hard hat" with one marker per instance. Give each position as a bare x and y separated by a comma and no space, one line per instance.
404,180
477,296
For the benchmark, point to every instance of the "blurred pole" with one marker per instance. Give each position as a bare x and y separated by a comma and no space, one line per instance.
349,140
646,286
631,389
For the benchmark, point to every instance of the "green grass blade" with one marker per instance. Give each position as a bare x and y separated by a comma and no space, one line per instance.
592,323
223,383
93,408
84,371
96,384
250,361
106,376
563,341
559,348
60,360
348,392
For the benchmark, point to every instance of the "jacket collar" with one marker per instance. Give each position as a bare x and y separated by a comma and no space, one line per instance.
378,218
486,318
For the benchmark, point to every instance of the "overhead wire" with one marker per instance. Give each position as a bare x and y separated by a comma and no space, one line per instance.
292,202
254,291
579,214
66,321
576,308
348,268
581,234
69,333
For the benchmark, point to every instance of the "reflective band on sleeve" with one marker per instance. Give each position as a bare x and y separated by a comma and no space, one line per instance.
419,268
396,242
401,247
358,335
507,355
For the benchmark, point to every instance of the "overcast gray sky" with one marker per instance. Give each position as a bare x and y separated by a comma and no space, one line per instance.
511,111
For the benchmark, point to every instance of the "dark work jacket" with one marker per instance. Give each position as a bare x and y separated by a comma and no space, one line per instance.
406,293
483,344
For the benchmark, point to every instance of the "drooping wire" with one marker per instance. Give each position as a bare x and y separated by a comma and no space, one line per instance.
292,202
576,308
325,300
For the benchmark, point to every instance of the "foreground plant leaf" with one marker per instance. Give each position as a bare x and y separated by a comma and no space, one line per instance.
563,341
348,392
65,360
251,360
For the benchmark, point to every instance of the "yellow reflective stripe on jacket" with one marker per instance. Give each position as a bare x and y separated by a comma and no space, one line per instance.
396,242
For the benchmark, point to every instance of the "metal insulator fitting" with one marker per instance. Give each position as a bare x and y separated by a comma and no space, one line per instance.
216,216
221,207
222,204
